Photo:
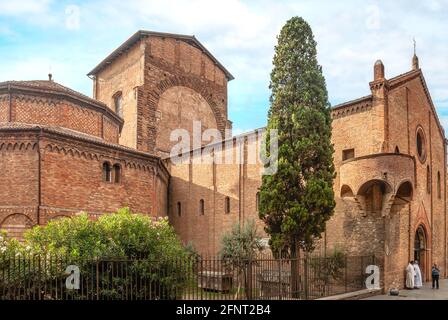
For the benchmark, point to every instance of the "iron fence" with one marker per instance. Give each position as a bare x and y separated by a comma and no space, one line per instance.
193,278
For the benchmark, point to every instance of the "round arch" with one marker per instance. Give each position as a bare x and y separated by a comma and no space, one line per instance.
178,108
191,83
405,191
346,191
385,187
16,224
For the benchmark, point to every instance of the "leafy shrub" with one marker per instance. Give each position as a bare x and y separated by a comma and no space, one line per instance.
116,253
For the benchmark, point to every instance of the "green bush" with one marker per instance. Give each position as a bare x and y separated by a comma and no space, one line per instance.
119,254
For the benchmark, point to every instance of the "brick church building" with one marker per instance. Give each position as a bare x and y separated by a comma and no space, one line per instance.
62,152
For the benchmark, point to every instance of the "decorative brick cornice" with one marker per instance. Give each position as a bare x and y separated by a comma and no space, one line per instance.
18,146
74,145
356,106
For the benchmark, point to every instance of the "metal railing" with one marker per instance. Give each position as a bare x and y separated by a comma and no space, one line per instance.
193,278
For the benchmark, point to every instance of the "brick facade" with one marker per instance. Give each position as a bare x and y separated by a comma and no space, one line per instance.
52,149
389,156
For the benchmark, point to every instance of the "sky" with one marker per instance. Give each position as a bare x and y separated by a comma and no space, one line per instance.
69,38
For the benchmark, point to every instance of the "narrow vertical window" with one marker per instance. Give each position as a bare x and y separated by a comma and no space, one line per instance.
439,185
179,209
118,103
201,207
227,205
117,173
107,172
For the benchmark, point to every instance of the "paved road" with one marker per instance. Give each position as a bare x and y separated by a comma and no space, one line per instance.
424,293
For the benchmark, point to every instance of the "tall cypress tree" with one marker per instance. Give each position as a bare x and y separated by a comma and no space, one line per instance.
298,199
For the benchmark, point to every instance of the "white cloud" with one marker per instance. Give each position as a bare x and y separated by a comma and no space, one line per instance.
21,7
72,18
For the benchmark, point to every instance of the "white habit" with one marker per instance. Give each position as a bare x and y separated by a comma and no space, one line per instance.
418,276
410,274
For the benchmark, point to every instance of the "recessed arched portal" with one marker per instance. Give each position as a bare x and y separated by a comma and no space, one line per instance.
421,250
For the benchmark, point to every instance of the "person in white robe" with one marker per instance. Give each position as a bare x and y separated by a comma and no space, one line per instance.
410,274
418,276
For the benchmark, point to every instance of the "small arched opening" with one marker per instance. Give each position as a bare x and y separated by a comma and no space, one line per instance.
404,192
107,172
373,192
346,191
201,207
227,205
117,173
16,224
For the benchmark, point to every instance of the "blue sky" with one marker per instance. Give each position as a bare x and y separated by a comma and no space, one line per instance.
71,37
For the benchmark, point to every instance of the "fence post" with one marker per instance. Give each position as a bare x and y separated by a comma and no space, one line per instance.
249,280
305,265
280,291
97,281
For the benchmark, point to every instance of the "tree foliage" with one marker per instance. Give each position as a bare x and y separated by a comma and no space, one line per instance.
241,244
149,251
298,199
118,235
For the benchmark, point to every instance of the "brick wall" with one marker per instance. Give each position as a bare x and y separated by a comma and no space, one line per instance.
19,182
213,183
72,177
125,76
4,108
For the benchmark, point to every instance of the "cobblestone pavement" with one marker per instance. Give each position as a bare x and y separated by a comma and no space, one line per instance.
424,293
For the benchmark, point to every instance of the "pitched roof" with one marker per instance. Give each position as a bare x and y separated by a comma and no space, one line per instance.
49,86
351,102
144,33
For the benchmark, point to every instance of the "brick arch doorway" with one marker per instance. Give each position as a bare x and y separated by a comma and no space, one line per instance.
421,251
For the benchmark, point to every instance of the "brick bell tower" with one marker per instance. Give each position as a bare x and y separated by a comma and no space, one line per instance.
160,82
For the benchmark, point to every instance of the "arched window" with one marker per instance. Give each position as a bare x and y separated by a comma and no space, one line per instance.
227,205
201,207
118,103
397,150
107,172
257,201
439,187
428,179
179,209
117,173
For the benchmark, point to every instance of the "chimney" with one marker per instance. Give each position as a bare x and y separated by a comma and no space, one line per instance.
50,77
